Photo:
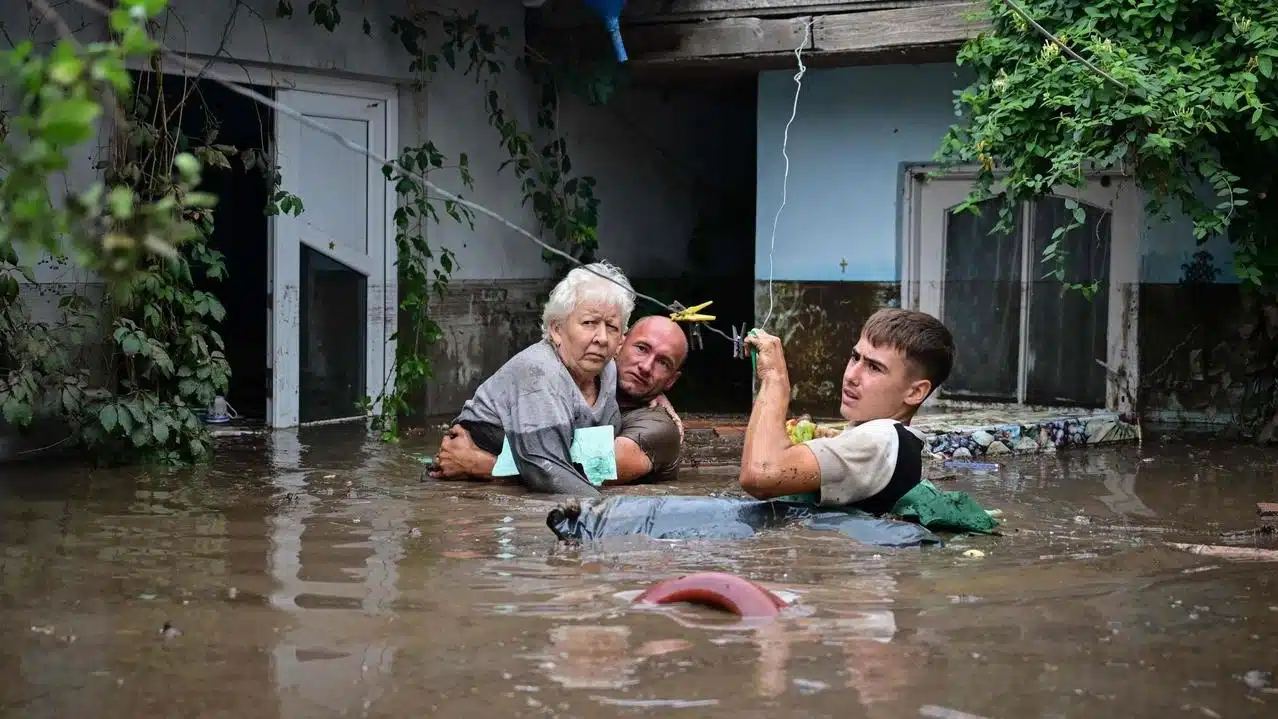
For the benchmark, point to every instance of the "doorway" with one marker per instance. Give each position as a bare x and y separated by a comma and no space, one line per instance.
241,129
333,306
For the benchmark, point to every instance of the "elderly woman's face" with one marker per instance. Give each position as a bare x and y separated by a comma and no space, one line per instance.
588,338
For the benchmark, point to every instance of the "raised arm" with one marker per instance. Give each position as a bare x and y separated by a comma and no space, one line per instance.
771,466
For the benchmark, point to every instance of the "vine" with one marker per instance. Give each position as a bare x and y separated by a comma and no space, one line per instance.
132,228
1181,94
145,228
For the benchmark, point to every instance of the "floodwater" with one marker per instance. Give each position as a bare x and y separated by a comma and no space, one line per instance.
314,575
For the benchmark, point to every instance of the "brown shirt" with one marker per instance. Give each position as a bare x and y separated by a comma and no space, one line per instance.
656,434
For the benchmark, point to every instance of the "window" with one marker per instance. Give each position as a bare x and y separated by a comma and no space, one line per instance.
1021,336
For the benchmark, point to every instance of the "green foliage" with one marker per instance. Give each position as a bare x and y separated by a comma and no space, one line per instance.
423,273
60,99
145,229
1191,106
137,228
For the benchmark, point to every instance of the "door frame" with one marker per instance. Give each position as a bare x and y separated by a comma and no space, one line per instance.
292,235
263,75
920,293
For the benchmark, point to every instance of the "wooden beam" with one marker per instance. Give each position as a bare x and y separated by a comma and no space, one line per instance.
834,39
572,13
737,72
717,38
886,29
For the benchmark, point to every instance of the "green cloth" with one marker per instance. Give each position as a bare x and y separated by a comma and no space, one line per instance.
945,511
926,505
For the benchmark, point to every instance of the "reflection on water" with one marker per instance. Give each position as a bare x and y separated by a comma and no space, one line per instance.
311,574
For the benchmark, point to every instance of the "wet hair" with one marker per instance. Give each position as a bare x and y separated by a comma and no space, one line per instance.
583,285
926,343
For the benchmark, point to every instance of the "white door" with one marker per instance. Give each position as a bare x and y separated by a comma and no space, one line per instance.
329,264
1020,336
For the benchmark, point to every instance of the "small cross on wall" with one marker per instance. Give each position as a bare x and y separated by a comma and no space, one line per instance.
843,265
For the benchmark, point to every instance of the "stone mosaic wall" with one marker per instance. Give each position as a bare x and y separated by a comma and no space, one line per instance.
965,437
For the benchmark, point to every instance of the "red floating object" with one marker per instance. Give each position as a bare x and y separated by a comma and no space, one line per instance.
715,589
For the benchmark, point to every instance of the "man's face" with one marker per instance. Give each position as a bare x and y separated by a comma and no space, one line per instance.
649,360
878,384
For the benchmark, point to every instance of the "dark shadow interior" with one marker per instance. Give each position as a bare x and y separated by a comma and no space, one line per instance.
241,226
721,255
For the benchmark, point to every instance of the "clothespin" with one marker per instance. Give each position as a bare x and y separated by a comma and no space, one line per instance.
691,314
739,348
697,342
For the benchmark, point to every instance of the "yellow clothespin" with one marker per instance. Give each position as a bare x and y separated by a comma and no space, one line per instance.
691,314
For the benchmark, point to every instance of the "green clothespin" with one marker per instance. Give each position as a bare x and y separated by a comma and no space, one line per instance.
754,356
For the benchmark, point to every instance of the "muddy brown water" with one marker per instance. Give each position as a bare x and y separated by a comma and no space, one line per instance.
314,575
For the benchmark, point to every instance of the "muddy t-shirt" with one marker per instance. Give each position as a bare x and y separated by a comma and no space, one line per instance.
868,466
656,434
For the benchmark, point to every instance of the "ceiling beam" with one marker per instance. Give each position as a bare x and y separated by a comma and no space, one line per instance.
834,39
573,13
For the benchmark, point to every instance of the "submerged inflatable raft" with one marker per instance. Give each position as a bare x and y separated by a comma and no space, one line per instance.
721,518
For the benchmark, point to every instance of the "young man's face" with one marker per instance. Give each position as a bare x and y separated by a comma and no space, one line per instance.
878,384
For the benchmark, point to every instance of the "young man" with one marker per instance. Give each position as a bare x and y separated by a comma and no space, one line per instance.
651,438
901,358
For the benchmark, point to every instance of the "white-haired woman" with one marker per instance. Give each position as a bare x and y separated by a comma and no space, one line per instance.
564,382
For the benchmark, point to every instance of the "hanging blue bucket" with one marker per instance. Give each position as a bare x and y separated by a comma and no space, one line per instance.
610,11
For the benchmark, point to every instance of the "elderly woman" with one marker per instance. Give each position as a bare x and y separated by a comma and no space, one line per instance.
564,382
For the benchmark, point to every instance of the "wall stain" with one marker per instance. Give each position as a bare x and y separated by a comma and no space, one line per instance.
1207,355
819,324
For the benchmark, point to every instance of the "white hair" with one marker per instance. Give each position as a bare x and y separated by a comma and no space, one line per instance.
584,284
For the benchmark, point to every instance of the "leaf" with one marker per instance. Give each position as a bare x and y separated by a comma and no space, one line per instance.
161,432
68,122
65,70
127,421
17,412
120,200
108,416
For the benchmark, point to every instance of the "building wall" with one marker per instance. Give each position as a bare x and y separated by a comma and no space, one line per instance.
838,242
636,148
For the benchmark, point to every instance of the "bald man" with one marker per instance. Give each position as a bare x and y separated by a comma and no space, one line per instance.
649,443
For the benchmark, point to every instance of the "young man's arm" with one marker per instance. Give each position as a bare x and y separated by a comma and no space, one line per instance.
772,466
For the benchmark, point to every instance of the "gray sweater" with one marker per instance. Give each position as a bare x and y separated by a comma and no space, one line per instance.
535,402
